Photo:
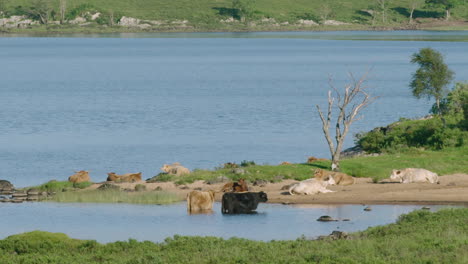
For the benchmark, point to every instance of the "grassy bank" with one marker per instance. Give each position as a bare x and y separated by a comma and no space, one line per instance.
419,237
115,196
447,161
211,15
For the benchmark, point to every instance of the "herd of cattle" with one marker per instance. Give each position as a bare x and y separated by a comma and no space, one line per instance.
238,200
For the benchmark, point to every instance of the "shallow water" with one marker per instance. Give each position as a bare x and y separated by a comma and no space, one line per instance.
132,104
111,222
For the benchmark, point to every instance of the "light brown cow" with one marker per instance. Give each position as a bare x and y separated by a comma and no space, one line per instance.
239,186
128,177
80,176
200,201
339,177
175,169
314,159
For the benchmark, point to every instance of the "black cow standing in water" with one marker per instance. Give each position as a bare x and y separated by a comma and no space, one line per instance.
242,203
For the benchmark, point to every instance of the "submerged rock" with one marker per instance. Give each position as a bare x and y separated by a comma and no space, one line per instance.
326,218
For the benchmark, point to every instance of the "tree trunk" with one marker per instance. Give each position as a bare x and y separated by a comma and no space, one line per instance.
335,162
447,16
411,16
438,105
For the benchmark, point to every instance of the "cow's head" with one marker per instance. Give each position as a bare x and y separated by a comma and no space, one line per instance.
263,197
396,175
166,168
329,180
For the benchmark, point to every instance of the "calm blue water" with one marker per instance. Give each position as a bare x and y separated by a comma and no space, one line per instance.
133,104
111,222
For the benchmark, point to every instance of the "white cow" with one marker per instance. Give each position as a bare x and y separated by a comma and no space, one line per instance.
312,186
414,175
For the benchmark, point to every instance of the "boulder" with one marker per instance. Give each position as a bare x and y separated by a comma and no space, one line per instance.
108,186
260,183
77,20
238,171
334,23
326,218
306,22
129,22
219,179
6,186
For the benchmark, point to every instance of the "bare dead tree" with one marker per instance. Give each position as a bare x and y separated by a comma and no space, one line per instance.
62,10
413,4
349,102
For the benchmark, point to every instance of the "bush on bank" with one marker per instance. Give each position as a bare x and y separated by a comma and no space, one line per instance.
418,237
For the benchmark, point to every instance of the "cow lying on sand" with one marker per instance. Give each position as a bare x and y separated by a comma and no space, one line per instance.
200,201
339,177
239,186
242,203
410,175
128,177
175,169
79,176
312,186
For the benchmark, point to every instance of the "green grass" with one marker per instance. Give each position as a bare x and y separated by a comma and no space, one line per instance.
418,237
447,161
115,196
206,14
59,186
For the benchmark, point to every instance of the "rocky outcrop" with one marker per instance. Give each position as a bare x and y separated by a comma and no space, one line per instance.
77,20
129,22
17,22
335,235
6,188
334,23
306,22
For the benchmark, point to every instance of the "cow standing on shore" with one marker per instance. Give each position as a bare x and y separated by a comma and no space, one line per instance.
242,203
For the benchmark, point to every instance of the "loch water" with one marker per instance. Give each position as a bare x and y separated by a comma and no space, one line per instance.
132,102
112,222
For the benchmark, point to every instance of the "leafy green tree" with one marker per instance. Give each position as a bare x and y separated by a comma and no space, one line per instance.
432,77
245,8
446,4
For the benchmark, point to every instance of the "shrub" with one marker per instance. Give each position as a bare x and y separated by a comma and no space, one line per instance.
247,163
140,188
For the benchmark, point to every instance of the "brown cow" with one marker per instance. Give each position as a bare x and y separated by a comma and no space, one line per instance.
128,177
314,159
339,177
175,169
200,201
80,176
239,186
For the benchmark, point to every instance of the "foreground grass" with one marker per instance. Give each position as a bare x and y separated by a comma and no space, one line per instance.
115,196
447,161
419,237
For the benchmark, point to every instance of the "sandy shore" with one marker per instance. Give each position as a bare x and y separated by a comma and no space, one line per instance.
453,189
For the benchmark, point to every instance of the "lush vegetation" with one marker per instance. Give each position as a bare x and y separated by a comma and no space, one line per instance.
207,14
449,160
115,196
445,130
60,186
418,237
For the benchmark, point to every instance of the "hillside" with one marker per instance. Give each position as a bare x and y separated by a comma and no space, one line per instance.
232,14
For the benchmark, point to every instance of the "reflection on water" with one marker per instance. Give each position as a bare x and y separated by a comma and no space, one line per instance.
111,222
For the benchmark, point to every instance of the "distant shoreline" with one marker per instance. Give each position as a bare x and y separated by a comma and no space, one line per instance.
51,30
